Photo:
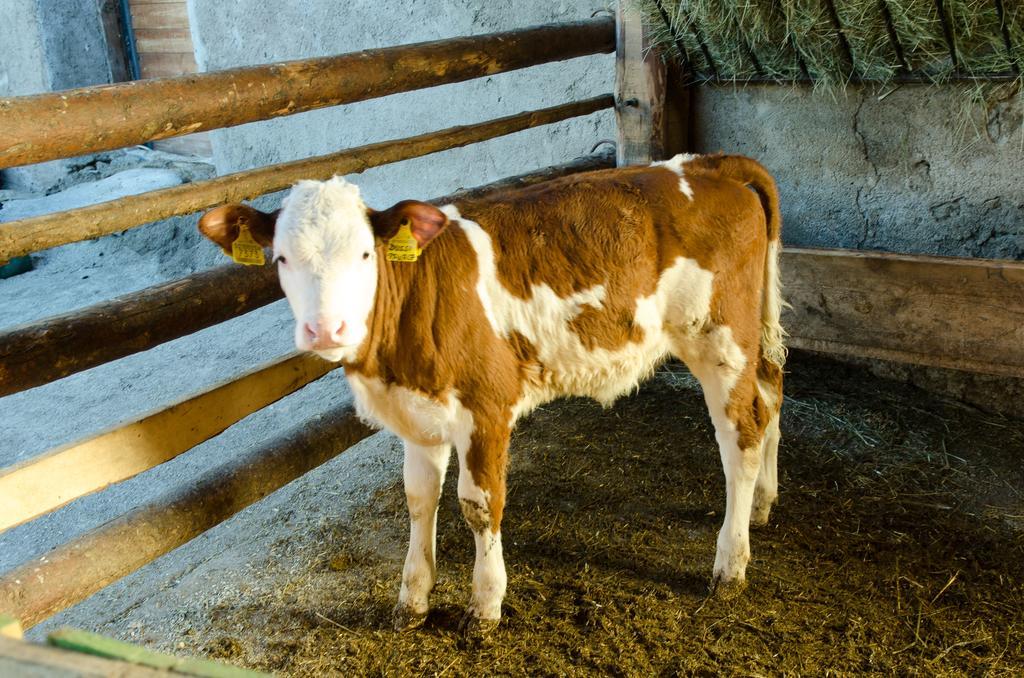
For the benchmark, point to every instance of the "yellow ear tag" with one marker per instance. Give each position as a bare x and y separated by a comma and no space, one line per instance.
245,250
403,246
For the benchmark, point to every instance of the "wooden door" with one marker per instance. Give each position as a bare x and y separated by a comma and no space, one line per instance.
163,41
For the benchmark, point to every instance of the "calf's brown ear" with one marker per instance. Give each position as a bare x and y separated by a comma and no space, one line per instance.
222,225
425,221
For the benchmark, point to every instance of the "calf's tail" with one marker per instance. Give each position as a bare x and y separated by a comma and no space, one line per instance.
753,174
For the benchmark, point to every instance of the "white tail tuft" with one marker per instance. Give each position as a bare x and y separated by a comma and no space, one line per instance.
773,335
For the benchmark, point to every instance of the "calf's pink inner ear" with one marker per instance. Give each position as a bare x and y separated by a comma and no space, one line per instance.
223,224
424,220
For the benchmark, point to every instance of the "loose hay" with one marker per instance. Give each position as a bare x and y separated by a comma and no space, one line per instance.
791,39
897,548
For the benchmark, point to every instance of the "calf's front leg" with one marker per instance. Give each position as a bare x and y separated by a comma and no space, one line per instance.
424,472
483,455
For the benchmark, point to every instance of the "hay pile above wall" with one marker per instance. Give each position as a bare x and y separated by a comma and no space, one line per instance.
836,41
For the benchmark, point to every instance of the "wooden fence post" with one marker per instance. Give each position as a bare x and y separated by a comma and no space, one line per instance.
651,103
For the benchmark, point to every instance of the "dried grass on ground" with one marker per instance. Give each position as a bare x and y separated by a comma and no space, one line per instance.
898,547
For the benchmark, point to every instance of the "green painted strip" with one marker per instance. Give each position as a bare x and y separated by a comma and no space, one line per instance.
94,644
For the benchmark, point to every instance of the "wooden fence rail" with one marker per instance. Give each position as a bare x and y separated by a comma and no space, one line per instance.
48,481
74,571
50,349
53,348
50,230
964,314
75,122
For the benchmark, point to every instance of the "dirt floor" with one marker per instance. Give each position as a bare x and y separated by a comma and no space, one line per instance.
896,549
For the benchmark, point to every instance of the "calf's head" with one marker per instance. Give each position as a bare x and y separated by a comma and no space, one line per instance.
328,247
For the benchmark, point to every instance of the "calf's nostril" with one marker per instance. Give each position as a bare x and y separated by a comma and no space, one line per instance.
310,332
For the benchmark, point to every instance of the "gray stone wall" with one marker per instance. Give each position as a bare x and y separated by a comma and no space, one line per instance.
916,169
74,43
247,32
22,66
48,45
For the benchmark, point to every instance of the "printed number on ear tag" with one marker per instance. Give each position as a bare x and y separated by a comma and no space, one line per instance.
245,250
403,246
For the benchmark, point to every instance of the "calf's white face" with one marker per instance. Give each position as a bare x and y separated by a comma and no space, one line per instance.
324,246
325,242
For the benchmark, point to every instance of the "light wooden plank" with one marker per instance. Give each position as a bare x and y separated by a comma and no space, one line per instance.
109,648
18,658
964,314
640,86
47,482
160,15
163,40
167,65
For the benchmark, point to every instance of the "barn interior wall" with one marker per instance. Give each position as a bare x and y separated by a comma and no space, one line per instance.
916,169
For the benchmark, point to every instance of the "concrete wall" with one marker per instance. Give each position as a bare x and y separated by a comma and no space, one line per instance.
48,45
74,43
22,67
246,32
920,169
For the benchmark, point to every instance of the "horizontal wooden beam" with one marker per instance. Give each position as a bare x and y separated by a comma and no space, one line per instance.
74,571
79,121
47,350
963,314
49,481
53,348
50,230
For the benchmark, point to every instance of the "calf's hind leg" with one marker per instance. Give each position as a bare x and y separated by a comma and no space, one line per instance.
424,472
766,489
729,383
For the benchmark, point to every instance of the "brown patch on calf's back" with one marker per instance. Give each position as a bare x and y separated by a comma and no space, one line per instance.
560,235
622,229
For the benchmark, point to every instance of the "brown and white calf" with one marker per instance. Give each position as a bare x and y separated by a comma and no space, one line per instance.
580,286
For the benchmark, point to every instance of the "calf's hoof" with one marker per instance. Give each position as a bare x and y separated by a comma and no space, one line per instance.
474,628
761,509
759,514
404,618
727,589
